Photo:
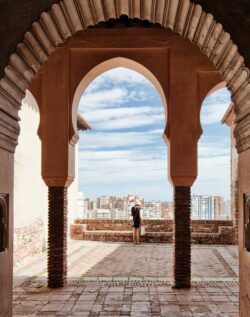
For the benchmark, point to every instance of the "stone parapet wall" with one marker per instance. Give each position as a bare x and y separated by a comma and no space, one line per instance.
29,240
157,231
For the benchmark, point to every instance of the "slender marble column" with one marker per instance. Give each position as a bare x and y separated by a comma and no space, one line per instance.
182,237
57,239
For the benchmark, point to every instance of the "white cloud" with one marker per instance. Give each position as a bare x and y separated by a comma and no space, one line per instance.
115,96
130,154
144,166
213,113
215,146
213,177
119,139
214,106
119,161
114,113
114,88
214,168
116,168
219,96
130,122
118,76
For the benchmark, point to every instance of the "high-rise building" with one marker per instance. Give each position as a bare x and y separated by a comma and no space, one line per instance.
219,212
152,210
103,201
102,213
167,211
80,205
207,207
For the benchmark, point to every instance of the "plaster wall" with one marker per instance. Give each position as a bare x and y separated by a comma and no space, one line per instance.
244,256
6,257
30,191
73,193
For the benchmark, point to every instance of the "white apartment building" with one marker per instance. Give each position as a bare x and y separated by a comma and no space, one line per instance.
80,205
207,207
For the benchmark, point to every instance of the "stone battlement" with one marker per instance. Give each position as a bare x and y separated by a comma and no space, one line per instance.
157,231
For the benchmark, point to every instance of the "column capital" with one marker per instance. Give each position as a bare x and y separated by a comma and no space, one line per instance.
52,181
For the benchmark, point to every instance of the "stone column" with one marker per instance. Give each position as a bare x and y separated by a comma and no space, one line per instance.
182,237
57,237
52,90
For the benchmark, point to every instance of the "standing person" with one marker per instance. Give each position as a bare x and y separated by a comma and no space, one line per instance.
137,222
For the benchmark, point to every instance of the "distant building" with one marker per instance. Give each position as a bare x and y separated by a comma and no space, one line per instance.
152,210
167,211
102,213
103,201
227,209
80,205
219,212
207,207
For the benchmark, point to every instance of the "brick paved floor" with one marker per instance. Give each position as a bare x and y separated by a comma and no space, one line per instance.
108,279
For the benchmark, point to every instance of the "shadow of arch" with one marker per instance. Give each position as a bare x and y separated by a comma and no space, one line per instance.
108,65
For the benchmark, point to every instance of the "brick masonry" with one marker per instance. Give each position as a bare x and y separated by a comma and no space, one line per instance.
202,231
29,240
139,275
57,237
182,236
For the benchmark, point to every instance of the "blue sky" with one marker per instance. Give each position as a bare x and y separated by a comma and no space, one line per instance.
125,152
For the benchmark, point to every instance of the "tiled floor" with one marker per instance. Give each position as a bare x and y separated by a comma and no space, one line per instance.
108,279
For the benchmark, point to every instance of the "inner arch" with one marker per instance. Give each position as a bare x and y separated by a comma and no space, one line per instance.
108,65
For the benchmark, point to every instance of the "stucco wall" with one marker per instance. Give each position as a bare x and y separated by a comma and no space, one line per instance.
72,193
30,191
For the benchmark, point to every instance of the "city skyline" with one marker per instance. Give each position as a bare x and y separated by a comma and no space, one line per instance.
125,151
119,207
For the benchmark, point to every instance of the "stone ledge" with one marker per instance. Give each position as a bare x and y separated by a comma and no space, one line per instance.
157,231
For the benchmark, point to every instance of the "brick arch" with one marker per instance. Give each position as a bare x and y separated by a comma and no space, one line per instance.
183,17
